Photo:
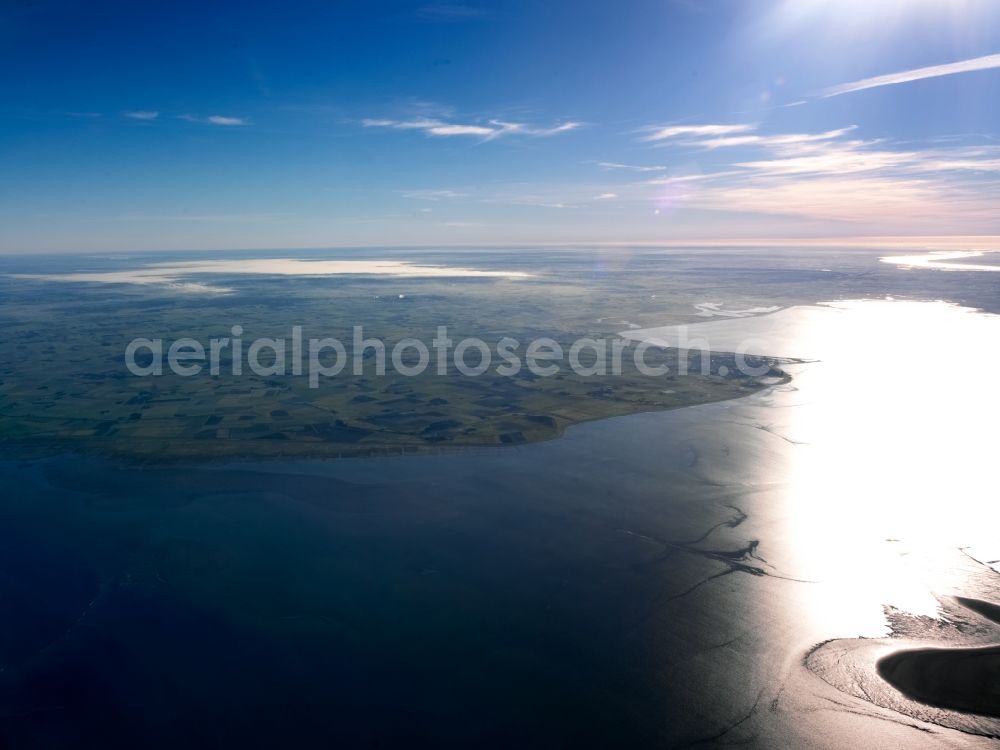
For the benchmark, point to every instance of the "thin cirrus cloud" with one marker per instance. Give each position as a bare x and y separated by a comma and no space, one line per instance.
663,133
517,127
489,130
988,62
783,139
854,157
612,165
724,136
142,114
220,120
832,177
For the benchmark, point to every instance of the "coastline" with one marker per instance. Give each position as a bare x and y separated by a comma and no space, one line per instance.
169,452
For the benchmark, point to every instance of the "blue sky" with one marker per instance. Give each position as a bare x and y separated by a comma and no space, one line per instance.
135,126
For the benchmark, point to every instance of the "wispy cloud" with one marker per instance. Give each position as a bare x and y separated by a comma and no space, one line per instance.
434,195
488,130
458,129
662,133
782,139
876,199
989,62
844,157
726,136
220,120
631,167
431,127
149,115
833,178
697,177
399,124
506,128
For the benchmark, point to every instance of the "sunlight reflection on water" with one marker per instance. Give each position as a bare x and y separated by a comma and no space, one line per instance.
899,423
944,260
894,434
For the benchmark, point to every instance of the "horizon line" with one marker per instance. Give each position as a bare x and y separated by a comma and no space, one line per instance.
928,242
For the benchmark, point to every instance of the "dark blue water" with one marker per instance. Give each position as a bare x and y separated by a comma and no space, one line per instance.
493,598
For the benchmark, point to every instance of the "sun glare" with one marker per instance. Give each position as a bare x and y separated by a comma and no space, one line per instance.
860,13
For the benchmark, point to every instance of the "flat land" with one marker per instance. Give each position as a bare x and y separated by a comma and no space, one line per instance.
64,383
